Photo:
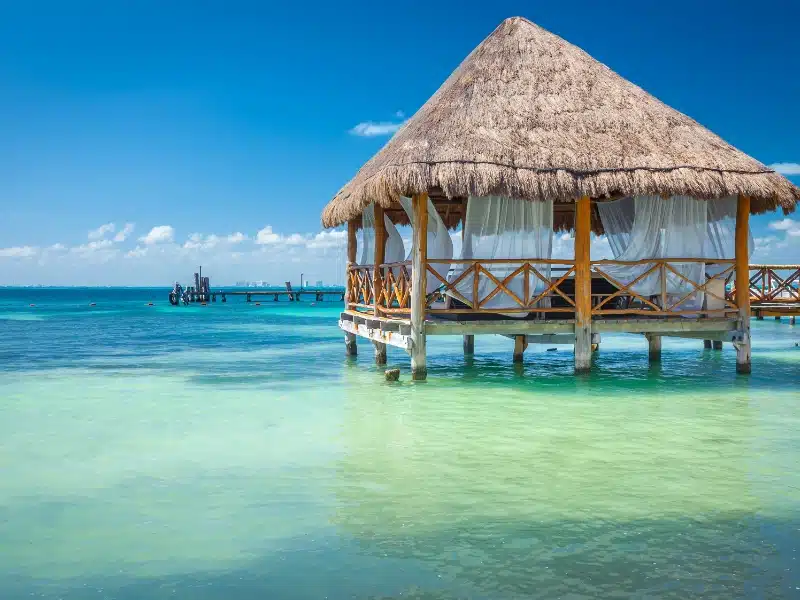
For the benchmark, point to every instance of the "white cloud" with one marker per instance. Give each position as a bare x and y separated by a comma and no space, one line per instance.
373,128
400,114
328,239
236,238
57,247
137,252
100,232
267,236
786,168
124,233
158,235
295,239
790,226
18,252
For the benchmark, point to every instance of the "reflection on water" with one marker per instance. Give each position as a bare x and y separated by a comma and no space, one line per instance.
236,453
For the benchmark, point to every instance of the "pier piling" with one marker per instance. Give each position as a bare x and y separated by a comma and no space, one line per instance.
654,347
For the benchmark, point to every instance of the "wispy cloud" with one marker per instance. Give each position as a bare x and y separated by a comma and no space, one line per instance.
790,226
124,233
19,252
158,235
376,128
786,168
100,232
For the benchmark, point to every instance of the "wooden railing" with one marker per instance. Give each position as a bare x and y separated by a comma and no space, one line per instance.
394,295
533,291
625,300
773,284
359,289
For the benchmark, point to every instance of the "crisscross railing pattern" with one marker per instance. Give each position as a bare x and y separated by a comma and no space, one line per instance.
359,289
625,300
525,271
773,284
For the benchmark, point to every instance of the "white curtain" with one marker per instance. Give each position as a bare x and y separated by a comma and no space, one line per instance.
662,228
394,251
440,245
499,227
617,219
721,242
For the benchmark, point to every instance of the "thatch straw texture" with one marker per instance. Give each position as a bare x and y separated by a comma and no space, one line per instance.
529,115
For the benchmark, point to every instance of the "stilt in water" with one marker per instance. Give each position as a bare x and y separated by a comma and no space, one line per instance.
520,344
777,318
717,345
792,320
419,367
743,284
350,346
469,345
707,344
654,347
583,286
380,353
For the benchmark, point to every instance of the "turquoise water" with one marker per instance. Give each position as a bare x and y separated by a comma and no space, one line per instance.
232,451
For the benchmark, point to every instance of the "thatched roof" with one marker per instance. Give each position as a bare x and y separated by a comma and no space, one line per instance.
531,116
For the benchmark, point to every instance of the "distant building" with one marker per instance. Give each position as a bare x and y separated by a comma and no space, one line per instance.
320,284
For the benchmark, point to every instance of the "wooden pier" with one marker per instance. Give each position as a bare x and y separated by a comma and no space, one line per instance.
318,294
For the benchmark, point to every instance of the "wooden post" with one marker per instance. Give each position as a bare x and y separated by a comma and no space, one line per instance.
792,320
743,284
778,318
380,255
469,340
350,346
520,344
707,344
419,278
583,285
469,345
654,350
717,345
380,353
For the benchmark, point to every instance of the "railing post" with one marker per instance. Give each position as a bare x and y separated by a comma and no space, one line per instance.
743,284
583,285
351,348
419,278
469,340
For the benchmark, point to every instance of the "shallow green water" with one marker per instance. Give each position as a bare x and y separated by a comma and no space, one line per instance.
232,451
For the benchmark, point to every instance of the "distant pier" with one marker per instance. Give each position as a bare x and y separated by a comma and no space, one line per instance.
201,292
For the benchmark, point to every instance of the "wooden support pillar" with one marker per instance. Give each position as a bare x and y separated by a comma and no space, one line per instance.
707,344
717,345
469,340
792,320
778,318
350,345
380,255
654,347
520,345
743,284
583,285
380,353
419,279
469,345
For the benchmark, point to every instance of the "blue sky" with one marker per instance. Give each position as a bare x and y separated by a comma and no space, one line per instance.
212,121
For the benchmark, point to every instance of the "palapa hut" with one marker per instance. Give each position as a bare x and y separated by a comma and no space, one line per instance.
528,136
